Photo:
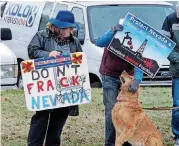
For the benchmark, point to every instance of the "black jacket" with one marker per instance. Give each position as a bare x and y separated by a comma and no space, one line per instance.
171,28
40,46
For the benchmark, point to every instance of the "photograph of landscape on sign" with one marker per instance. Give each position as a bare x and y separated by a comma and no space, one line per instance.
141,45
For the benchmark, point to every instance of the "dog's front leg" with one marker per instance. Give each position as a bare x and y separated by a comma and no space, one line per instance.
117,135
126,134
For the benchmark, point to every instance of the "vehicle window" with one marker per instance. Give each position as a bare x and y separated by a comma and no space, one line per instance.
2,8
45,15
79,19
102,18
59,7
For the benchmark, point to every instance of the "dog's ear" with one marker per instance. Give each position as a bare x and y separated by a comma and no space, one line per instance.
126,77
122,79
132,77
125,74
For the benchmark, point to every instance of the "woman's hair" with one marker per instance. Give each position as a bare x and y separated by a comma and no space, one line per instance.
51,27
54,31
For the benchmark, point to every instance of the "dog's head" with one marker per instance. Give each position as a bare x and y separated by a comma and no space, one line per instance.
126,81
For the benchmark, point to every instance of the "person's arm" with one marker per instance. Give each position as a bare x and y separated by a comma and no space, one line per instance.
166,27
138,75
174,56
105,39
78,49
35,48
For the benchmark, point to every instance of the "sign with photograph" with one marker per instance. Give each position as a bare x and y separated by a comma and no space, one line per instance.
141,45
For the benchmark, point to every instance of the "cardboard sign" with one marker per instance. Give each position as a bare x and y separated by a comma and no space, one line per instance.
141,45
56,82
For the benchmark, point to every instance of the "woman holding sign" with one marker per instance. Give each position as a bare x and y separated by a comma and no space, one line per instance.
56,40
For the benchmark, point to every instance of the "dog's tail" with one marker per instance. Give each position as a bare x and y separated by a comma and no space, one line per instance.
153,141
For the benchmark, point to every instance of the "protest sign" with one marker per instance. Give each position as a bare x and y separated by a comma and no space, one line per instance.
56,82
141,45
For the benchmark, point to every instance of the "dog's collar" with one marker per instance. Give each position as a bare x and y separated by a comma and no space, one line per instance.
123,100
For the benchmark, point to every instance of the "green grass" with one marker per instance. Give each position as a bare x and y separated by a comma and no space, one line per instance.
84,130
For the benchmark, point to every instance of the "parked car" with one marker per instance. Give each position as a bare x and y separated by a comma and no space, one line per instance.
93,19
8,62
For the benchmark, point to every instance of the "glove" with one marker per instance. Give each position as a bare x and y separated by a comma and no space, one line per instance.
134,86
117,27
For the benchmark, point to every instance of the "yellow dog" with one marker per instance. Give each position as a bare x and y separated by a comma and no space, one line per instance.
130,121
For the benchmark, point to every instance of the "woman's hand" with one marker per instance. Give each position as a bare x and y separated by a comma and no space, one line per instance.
54,54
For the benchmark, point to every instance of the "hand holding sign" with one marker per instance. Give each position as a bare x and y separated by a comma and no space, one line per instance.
54,54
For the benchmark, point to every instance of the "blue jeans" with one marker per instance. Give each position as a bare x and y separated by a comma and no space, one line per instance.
111,87
175,113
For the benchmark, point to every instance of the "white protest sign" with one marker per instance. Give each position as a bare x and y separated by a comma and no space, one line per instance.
53,83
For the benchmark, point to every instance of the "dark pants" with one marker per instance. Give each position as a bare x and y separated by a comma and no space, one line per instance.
111,88
39,124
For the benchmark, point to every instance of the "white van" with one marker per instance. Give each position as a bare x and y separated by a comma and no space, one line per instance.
93,18
8,62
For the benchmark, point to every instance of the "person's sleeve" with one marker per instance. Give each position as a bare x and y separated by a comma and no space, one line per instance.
36,49
79,49
166,28
138,74
174,56
105,39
